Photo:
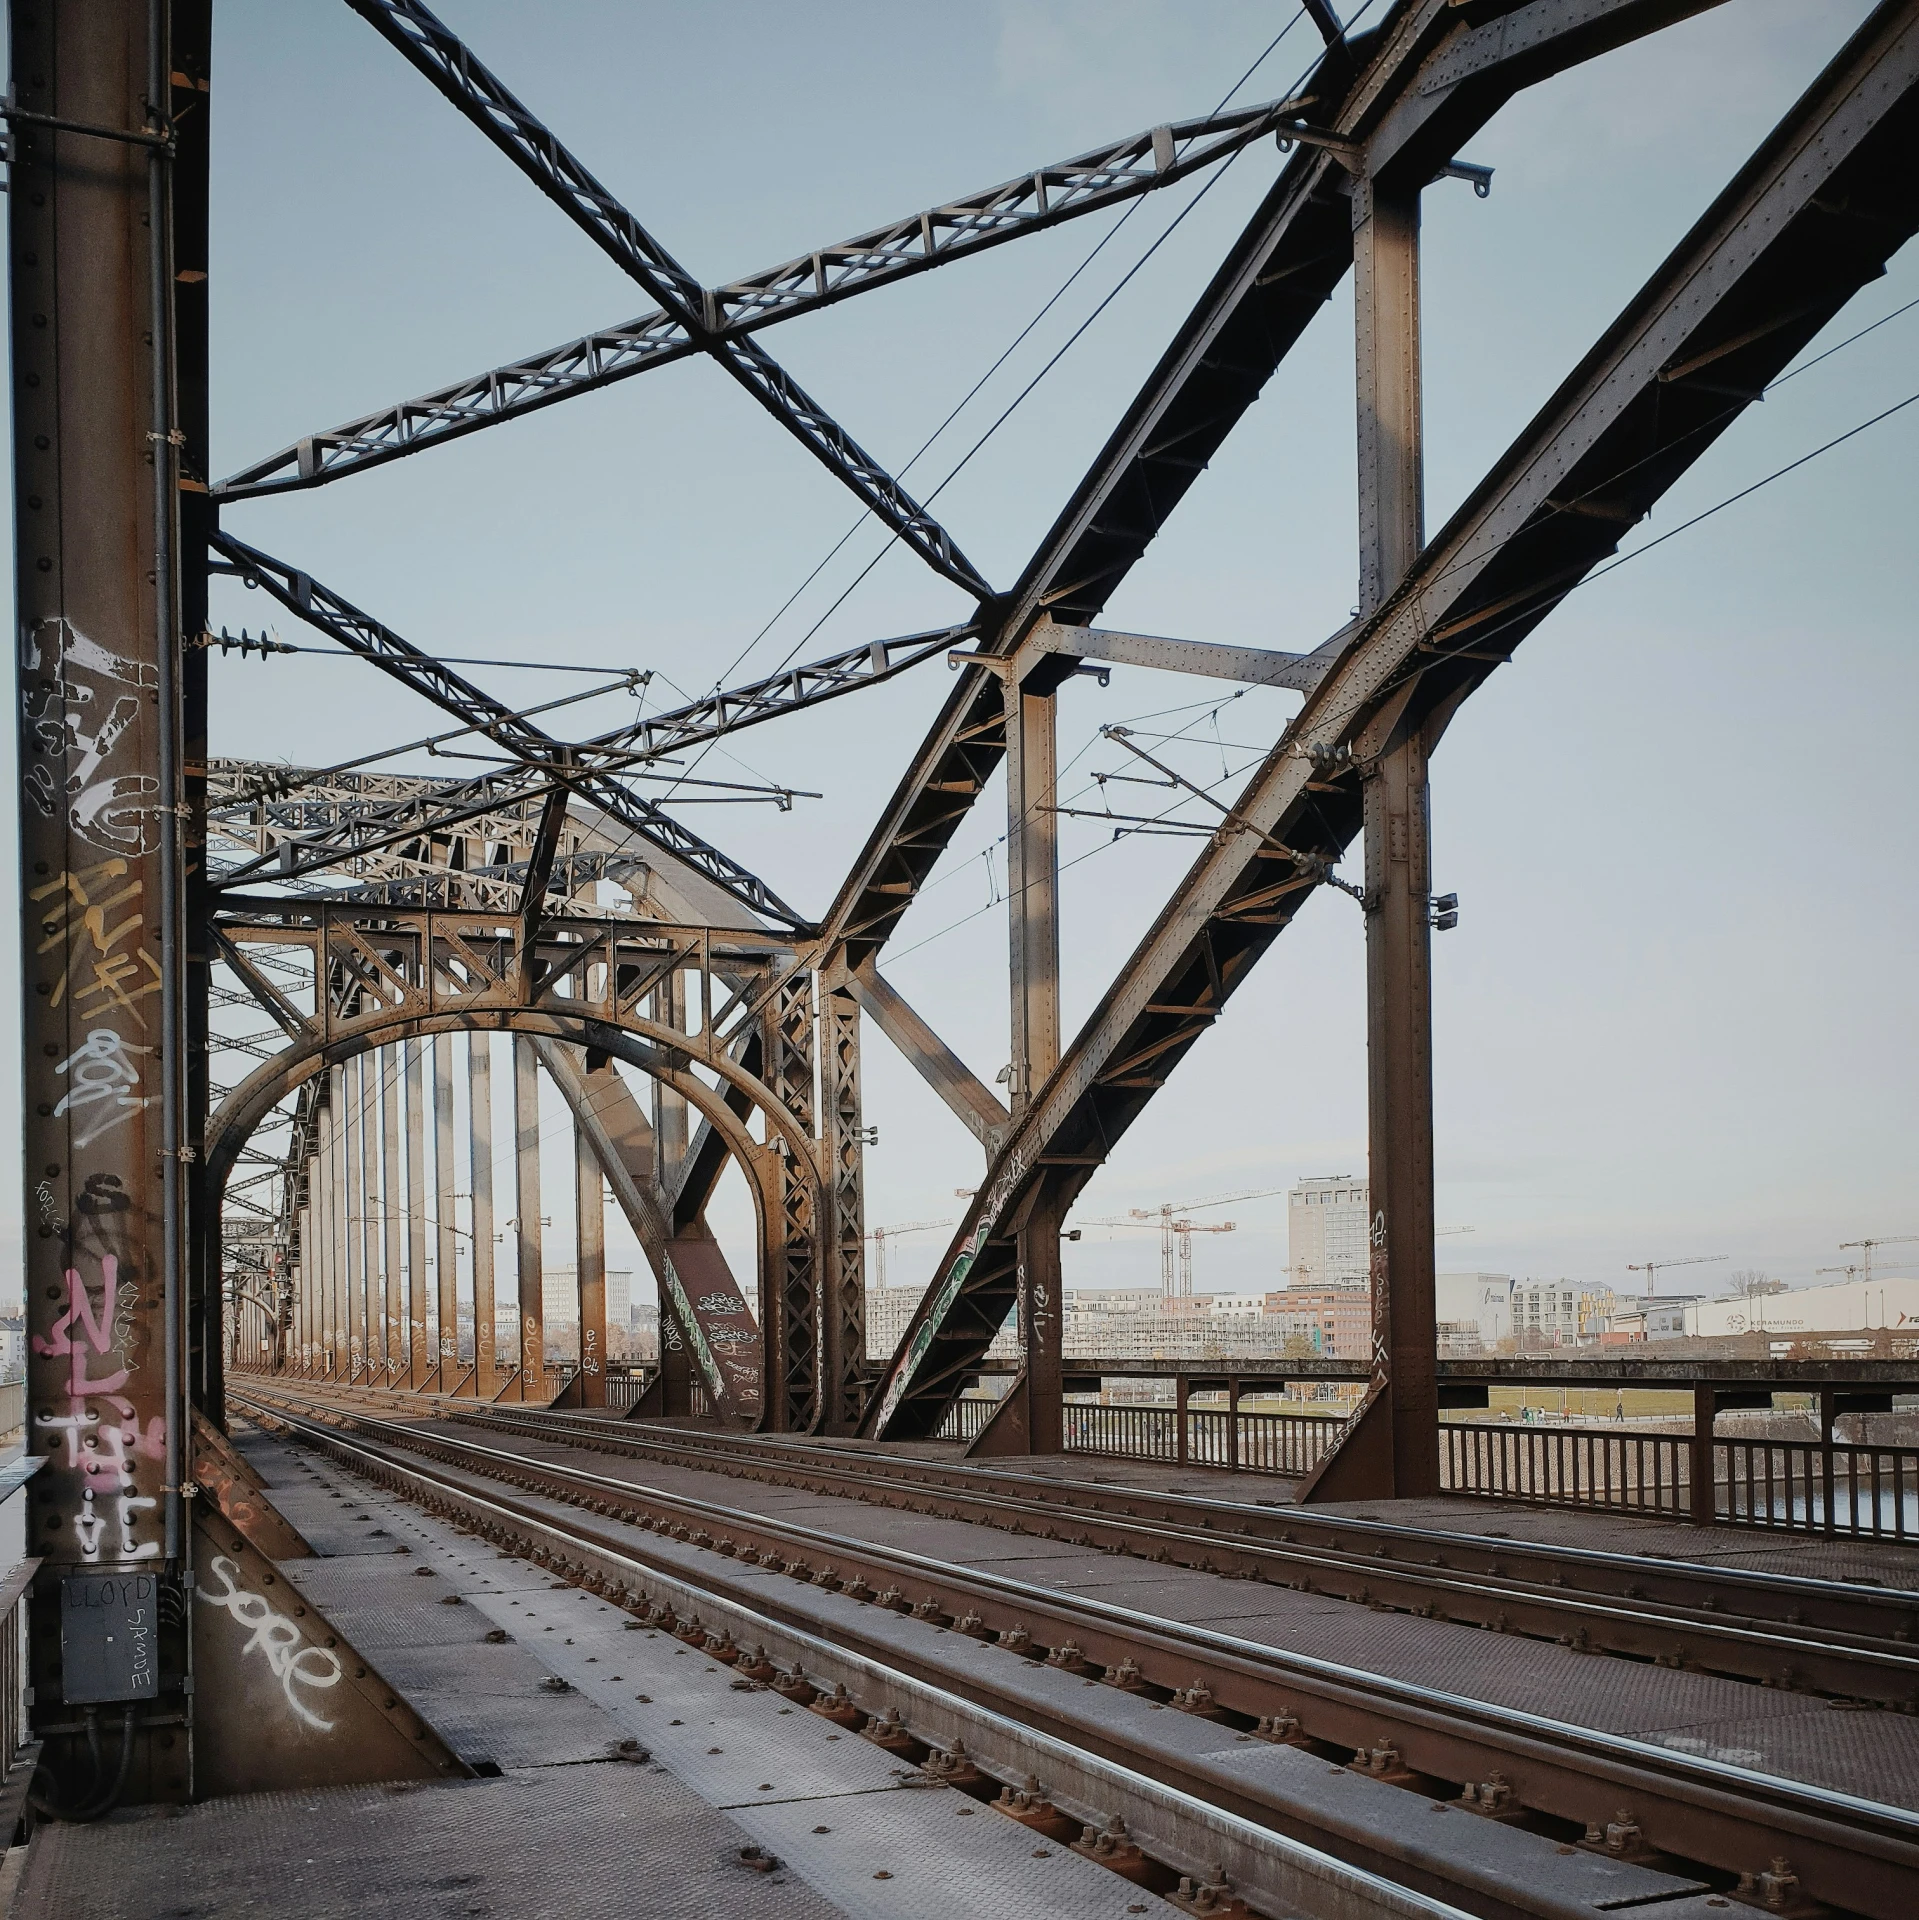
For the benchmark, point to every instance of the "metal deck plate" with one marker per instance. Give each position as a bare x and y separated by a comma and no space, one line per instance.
533,1846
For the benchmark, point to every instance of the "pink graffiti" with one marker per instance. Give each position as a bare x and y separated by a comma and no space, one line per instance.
101,1449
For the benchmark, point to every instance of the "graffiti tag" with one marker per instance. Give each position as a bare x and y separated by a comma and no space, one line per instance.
75,920
101,1077
100,1448
294,1662
81,702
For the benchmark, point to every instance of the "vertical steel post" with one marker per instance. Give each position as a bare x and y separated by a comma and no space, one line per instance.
589,1214
353,1083
843,1178
337,1201
1392,1443
323,1220
669,1106
1032,885
419,1357
1040,1317
1699,1466
392,1217
303,1293
370,1224
479,1068
790,1316
530,1381
448,1247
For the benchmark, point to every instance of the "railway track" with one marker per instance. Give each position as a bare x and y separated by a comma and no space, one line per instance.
1775,1843
1817,1636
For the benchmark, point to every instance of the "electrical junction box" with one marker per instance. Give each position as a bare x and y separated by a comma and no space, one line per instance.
109,1637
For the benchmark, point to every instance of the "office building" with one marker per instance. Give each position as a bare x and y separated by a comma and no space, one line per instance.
560,1296
1335,1323
1481,1302
1327,1242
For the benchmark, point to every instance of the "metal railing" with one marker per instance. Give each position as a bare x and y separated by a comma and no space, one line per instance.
13,1406
1569,1466
624,1386
1280,1443
1131,1433
1797,1486
966,1417
13,1665
1866,1492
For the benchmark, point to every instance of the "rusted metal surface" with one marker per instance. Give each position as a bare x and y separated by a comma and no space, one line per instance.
222,1472
96,549
285,1698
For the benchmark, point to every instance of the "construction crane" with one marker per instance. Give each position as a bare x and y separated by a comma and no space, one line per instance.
1175,1243
1653,1268
1884,1240
1176,1232
880,1235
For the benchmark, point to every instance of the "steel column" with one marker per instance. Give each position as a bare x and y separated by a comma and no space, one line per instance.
1700,1486
1032,885
479,1067
669,1105
338,1200
589,1215
323,1219
419,1355
393,1338
843,1179
530,1382
371,1293
1392,1446
448,1247
303,1296
790,1313
353,1211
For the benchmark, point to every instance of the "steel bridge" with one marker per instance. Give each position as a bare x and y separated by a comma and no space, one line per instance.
260,1005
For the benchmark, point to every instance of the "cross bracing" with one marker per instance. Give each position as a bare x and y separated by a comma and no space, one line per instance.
535,848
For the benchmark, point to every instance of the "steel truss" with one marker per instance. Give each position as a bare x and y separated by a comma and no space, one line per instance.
460,908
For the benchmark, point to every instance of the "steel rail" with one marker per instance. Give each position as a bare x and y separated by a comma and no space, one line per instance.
1884,1614
1857,1855
1682,1628
1176,1821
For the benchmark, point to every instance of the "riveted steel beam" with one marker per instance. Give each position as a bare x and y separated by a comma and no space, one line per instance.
1813,216
954,230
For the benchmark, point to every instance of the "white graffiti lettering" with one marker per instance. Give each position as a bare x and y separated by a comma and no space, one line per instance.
294,1662
102,1077
721,1303
81,702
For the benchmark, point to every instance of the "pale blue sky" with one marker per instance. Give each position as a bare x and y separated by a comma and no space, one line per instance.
1677,1015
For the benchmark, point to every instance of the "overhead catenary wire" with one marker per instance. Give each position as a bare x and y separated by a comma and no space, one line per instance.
1079,332
1556,600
